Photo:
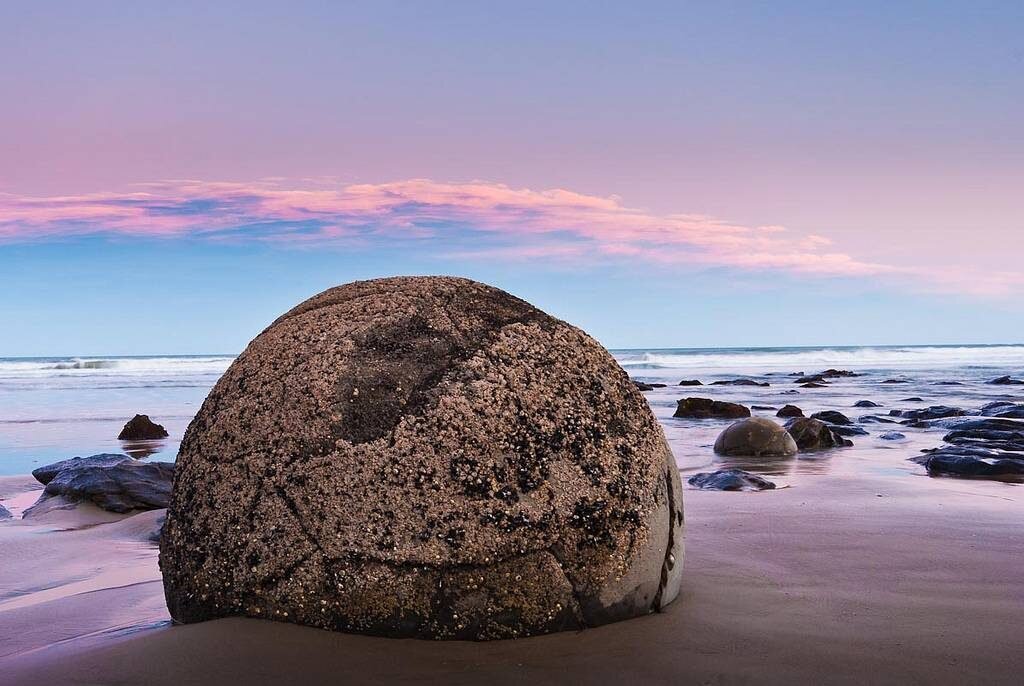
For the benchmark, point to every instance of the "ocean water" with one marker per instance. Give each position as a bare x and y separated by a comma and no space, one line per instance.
54,408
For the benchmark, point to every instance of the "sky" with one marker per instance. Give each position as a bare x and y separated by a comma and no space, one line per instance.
175,175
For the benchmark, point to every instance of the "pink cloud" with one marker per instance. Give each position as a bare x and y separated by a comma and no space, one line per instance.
485,220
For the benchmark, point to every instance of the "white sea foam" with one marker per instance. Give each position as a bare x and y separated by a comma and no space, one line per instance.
113,366
761,360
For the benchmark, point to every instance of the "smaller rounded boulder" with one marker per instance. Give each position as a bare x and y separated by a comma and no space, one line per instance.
757,437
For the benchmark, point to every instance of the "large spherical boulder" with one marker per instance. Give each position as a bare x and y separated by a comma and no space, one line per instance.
756,436
423,457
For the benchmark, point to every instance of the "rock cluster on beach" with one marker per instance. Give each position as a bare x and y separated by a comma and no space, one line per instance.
113,482
423,457
988,447
141,428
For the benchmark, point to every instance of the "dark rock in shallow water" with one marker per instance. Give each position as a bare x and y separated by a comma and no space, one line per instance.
933,412
812,385
832,417
757,437
947,383
970,423
866,403
956,462
836,373
730,480
141,428
913,399
4,513
873,419
814,434
763,408
120,487
892,436
994,408
646,386
892,381
790,411
424,457
705,408
45,474
994,439
739,382
1006,381
848,430
1012,413
791,392
690,382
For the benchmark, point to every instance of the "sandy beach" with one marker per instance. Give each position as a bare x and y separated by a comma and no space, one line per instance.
835,580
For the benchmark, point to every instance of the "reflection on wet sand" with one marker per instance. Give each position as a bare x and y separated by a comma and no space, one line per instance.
804,463
143,449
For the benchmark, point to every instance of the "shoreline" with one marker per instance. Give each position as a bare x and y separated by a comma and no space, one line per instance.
825,581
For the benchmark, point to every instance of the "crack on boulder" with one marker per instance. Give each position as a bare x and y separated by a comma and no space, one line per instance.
669,561
577,597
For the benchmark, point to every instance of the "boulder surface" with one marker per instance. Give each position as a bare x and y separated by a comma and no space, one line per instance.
756,436
423,457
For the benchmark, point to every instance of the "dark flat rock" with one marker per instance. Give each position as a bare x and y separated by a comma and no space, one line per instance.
120,487
958,462
1006,381
739,382
46,473
892,436
866,403
832,417
850,430
933,412
690,382
730,480
705,408
874,419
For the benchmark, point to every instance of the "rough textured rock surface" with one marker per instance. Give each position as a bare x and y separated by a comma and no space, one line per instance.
730,480
814,434
423,457
756,436
46,473
4,513
116,485
705,408
790,411
141,428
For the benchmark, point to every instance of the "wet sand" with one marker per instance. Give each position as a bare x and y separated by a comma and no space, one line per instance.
839,579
